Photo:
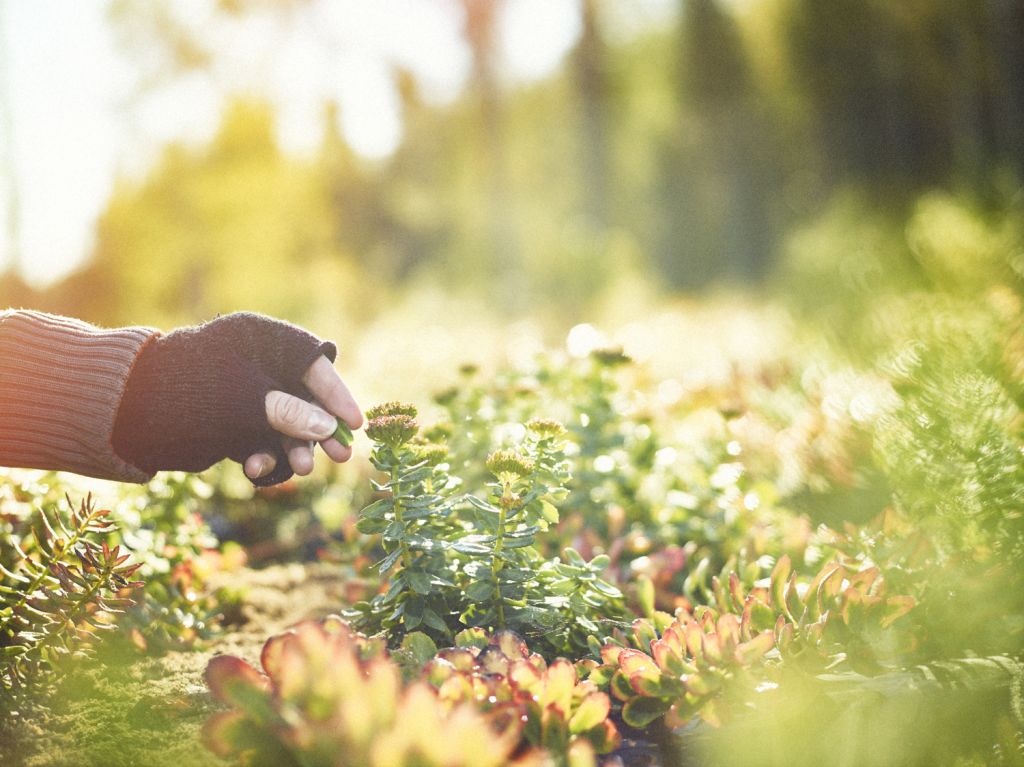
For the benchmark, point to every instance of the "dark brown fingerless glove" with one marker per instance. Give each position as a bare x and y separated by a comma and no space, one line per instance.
197,395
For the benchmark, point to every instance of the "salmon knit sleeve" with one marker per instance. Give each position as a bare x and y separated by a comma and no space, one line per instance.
61,382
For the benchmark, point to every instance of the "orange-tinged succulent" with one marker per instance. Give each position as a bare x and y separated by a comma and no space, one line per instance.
331,696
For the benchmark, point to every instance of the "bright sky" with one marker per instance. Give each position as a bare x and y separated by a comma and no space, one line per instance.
74,129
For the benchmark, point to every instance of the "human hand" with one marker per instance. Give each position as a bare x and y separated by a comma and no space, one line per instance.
301,422
235,387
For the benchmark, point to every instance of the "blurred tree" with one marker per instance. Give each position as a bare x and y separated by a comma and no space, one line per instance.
589,68
909,95
501,254
718,83
689,147
236,225
718,176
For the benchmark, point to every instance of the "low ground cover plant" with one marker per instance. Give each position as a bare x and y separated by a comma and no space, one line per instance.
63,583
329,695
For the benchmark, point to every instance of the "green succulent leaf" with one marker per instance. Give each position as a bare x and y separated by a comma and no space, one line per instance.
640,712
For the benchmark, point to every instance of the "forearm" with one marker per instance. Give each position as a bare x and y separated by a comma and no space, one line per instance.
61,382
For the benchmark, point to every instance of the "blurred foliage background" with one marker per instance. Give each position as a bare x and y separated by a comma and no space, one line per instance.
720,143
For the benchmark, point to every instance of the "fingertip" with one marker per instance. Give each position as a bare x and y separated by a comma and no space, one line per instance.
259,465
354,417
336,451
300,457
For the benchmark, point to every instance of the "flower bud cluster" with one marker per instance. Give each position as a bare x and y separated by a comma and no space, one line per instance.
509,462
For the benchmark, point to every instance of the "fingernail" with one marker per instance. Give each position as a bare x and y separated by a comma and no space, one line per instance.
322,424
262,468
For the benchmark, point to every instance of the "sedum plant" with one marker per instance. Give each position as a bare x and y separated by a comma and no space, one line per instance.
330,696
61,586
411,518
458,560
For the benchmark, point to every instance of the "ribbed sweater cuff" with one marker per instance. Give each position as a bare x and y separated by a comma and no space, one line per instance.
61,382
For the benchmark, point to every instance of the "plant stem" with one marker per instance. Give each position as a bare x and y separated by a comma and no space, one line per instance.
507,499
395,493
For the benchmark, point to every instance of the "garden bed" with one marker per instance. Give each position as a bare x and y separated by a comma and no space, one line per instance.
568,565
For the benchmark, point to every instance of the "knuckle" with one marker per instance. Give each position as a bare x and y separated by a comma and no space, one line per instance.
288,410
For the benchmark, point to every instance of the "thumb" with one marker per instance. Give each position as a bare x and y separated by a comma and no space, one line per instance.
294,417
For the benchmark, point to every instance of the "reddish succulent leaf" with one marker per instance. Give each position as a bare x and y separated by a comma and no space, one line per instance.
591,711
634,662
748,652
736,591
666,658
672,636
865,580
779,577
662,687
224,732
791,606
783,633
511,644
821,589
694,636
492,660
610,654
438,671
835,585
233,681
460,657
644,686
728,630
270,657
558,685
713,650
537,661
705,617
643,633
823,575
524,675
856,605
